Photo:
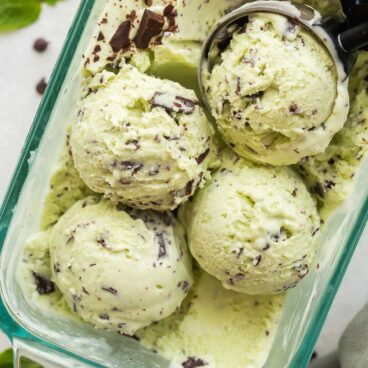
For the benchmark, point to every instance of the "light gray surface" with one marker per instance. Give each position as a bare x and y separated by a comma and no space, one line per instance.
20,70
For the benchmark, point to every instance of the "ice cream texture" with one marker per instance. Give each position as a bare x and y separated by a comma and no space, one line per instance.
330,175
274,92
216,328
254,228
149,147
119,269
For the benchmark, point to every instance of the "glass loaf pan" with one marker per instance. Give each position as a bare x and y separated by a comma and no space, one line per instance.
58,342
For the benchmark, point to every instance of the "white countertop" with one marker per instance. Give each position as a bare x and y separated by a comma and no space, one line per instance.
20,70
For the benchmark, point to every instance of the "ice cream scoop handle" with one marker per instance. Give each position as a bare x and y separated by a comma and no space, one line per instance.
355,38
356,11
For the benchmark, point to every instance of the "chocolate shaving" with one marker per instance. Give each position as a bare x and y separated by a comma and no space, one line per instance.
193,362
189,187
202,156
110,290
44,285
121,40
162,245
151,25
257,260
104,317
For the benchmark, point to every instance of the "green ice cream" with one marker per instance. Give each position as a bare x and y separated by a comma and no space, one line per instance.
143,141
216,328
119,269
330,175
275,94
255,228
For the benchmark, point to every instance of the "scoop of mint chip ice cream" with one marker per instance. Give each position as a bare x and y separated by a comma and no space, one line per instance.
143,141
275,93
255,228
120,269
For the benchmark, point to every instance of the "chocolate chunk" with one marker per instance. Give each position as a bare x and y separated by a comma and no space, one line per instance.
104,316
331,161
168,10
110,290
151,25
40,45
100,36
162,245
131,165
238,86
329,184
193,362
189,187
173,103
266,247
256,95
41,86
185,285
44,285
148,2
318,189
202,156
295,192
121,40
294,108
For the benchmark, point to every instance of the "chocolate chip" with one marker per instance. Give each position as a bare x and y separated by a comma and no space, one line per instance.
331,161
134,337
162,245
85,290
121,40
168,10
151,25
295,192
57,267
40,45
185,285
257,260
256,95
202,156
148,2
110,290
41,86
294,108
131,165
266,247
102,241
329,184
318,189
189,187
100,36
104,316
154,170
193,362
44,285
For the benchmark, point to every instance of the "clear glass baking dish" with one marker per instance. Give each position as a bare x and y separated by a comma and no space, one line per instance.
55,341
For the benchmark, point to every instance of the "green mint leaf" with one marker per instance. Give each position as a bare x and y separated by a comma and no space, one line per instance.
6,361
15,14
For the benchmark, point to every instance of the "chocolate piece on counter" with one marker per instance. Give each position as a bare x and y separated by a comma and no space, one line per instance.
44,285
40,45
173,103
121,40
41,86
151,25
100,36
193,362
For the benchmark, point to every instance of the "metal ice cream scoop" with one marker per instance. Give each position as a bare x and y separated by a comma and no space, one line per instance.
343,37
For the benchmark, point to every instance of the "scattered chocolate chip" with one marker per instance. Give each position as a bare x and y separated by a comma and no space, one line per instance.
294,108
44,285
257,260
154,170
110,290
151,25
295,192
302,270
41,86
189,187
134,337
85,290
57,267
105,317
315,231
121,40
329,184
185,285
256,95
102,241
162,245
40,45
238,86
266,247
202,156
193,362
148,2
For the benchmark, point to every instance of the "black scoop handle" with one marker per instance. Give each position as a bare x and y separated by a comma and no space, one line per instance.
355,36
356,11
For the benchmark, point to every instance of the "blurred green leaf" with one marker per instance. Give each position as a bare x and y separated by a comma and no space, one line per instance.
16,14
6,361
